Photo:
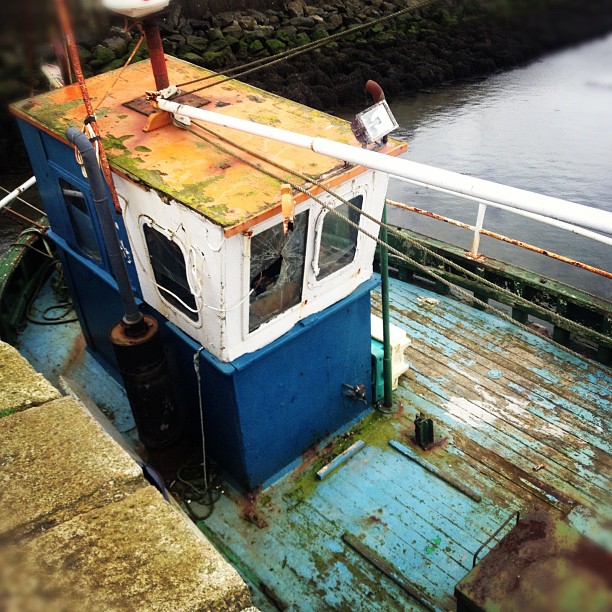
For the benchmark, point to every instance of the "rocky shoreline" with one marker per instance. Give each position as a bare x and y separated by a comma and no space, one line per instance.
438,43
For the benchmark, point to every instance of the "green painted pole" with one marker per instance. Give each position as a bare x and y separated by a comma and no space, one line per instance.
384,272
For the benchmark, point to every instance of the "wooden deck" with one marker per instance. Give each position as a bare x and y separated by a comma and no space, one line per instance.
520,424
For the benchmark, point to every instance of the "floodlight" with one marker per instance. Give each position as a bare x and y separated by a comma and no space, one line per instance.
374,123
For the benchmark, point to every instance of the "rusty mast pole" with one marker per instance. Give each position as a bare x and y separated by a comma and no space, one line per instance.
156,53
66,27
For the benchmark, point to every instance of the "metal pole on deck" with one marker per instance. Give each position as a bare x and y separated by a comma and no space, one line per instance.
156,53
384,273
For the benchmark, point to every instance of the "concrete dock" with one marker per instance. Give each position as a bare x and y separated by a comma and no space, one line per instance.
80,527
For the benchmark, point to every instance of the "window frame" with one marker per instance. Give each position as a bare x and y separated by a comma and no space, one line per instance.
333,203
65,229
160,291
277,220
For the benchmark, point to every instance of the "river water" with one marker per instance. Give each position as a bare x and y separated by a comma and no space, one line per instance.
545,127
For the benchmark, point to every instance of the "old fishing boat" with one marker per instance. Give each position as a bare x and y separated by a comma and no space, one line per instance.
231,327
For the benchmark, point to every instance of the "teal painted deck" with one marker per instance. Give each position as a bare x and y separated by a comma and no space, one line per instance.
523,424
504,402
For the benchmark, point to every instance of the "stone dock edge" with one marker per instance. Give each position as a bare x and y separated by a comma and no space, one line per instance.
80,527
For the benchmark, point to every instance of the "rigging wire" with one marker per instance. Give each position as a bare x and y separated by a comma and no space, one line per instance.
197,480
127,63
65,305
557,319
267,62
40,212
191,486
87,127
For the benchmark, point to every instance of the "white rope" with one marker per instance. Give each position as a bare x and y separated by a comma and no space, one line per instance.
89,132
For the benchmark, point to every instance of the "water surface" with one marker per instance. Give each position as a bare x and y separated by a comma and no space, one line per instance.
545,127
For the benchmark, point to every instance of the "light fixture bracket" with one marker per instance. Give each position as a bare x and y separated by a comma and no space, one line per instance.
374,123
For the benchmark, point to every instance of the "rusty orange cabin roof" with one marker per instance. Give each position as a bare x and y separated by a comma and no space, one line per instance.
181,166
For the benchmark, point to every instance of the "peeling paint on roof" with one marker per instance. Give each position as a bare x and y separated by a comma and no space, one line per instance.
183,167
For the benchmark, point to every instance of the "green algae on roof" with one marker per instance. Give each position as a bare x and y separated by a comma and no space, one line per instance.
53,116
131,166
114,142
193,194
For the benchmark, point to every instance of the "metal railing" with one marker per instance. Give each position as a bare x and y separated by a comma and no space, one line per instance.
479,231
16,195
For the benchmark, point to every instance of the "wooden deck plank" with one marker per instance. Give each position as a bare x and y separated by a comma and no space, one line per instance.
366,574
561,411
432,499
582,457
511,412
583,378
449,457
301,562
409,302
432,393
398,509
406,541
469,352
456,414
405,554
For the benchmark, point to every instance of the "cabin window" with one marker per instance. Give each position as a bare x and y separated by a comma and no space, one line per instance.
277,271
81,220
168,263
338,239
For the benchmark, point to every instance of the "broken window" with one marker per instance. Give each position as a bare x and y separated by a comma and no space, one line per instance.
81,220
338,242
168,263
277,270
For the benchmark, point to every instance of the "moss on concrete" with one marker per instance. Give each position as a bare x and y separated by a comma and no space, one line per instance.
20,385
57,461
139,553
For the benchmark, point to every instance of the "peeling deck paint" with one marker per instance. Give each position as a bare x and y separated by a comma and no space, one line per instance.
497,430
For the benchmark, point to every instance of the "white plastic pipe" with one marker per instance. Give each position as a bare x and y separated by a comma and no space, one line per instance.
570,227
17,192
434,178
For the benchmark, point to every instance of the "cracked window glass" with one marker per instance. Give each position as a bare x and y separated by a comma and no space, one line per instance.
168,263
81,220
277,271
338,238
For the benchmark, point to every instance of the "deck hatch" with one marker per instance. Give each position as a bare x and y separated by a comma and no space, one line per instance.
143,106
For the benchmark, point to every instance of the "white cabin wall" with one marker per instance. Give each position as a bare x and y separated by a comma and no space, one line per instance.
202,243
223,266
316,295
